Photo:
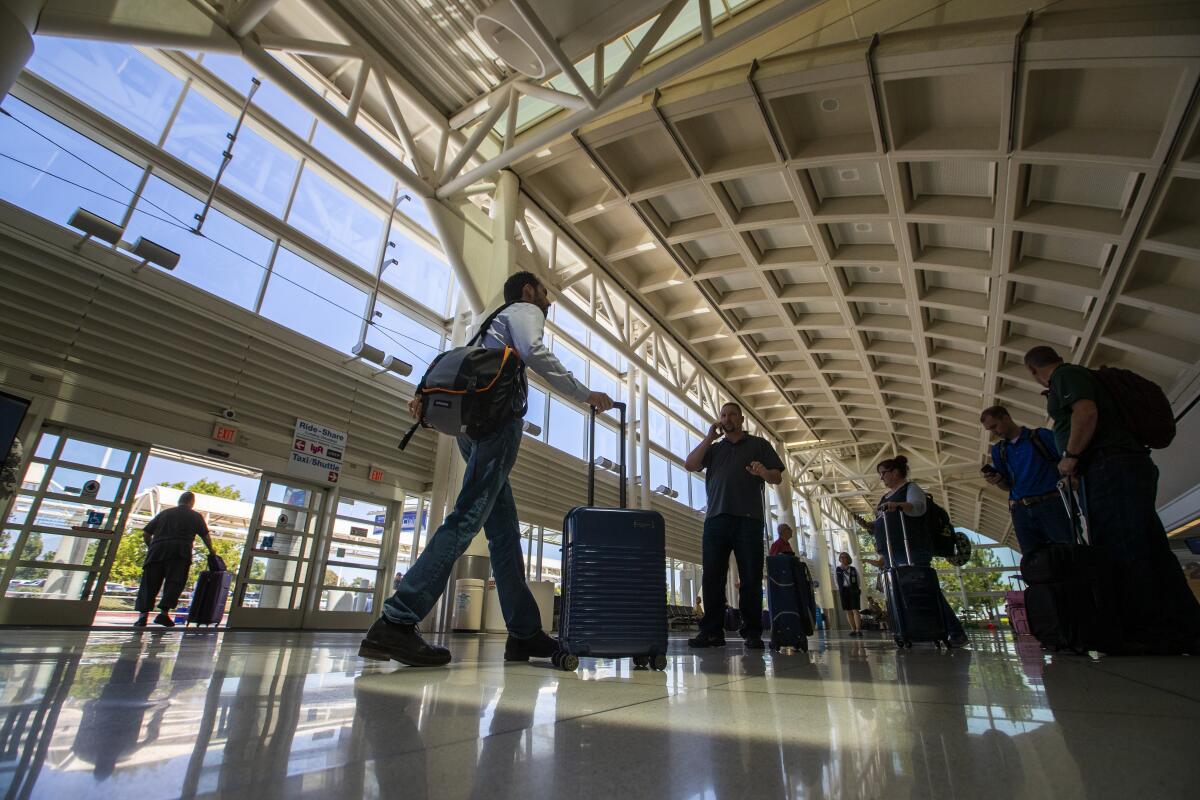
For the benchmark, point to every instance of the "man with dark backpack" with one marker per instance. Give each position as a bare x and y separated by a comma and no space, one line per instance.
1105,421
485,501
1025,463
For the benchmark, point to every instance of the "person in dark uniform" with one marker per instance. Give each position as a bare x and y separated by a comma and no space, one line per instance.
735,470
851,596
169,538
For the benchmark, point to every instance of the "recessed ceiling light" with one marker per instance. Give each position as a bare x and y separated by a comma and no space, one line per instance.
848,174
862,227
830,104
876,270
543,153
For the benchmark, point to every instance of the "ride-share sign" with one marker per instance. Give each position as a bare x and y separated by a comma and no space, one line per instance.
317,452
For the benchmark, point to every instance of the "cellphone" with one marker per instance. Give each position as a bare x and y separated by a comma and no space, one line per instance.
988,469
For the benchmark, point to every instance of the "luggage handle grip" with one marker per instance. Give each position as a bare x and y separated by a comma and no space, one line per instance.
591,500
887,538
1071,500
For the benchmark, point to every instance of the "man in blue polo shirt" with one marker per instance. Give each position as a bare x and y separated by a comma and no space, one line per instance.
1025,463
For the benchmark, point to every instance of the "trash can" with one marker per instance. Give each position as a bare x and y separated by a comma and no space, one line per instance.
543,595
468,605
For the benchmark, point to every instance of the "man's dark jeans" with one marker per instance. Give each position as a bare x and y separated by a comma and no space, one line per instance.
1157,607
485,500
1042,523
742,536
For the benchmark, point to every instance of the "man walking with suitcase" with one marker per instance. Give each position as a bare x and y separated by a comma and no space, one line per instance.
486,501
1025,464
736,467
169,538
1118,484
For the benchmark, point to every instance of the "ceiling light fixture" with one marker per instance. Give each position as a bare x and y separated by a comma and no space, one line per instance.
96,226
830,104
153,253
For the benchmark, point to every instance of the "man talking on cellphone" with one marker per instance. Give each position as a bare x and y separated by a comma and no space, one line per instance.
737,466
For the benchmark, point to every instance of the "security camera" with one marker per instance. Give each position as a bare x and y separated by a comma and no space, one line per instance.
228,413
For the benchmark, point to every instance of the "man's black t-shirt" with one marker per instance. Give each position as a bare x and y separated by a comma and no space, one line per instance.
172,533
731,489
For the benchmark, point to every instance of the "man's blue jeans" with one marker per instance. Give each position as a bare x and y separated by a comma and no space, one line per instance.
923,558
742,536
485,500
1042,523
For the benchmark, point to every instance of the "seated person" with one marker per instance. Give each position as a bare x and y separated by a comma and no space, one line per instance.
783,545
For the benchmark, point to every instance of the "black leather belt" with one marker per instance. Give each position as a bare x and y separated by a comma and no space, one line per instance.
1032,500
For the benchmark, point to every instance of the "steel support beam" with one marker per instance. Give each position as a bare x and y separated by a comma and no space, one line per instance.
720,45
246,16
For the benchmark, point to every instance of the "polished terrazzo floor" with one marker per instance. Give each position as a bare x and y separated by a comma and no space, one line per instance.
151,715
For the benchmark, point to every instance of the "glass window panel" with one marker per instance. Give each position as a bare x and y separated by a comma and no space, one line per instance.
571,359
347,600
418,273
679,482
94,454
269,97
70,481
660,473
606,354
115,79
537,411
259,171
398,334
64,549
337,221
565,430
418,211
229,260
600,381
657,391
570,324
658,427
606,443
679,439
258,595
311,301
340,151
77,168
552,556
699,495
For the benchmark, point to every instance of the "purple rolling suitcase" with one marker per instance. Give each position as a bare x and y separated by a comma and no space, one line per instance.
211,592
614,585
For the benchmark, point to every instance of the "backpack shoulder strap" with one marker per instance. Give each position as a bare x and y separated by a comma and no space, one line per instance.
487,323
1041,448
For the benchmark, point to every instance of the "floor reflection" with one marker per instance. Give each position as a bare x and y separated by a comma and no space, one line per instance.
274,715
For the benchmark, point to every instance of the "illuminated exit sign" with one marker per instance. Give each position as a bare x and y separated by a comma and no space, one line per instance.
224,433
375,473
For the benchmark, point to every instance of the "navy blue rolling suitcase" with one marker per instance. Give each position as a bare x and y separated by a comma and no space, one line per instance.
914,598
614,579
788,592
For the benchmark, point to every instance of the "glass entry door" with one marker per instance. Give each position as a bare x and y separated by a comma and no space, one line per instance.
354,577
60,536
288,518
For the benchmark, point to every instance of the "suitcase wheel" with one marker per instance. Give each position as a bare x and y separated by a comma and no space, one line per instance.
658,662
567,662
641,662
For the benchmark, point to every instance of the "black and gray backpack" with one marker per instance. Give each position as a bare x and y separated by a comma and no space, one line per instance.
472,389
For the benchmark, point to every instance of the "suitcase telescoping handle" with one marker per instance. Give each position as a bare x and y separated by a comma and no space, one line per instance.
1070,498
620,407
887,536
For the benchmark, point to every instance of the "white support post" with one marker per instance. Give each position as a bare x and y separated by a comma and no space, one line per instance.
356,93
639,54
476,138
631,433
644,427
246,16
547,40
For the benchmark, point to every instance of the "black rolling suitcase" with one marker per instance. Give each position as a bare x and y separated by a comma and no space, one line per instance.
211,592
788,598
914,598
614,585
1070,597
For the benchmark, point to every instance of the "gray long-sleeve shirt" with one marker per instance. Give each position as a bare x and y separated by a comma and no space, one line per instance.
521,326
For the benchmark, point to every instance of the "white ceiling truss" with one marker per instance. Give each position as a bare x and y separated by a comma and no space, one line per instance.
857,236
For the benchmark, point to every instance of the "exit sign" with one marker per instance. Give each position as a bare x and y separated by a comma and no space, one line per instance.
224,433
375,474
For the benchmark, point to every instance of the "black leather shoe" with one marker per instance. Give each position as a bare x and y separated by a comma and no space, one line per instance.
958,640
142,621
391,641
164,619
754,643
705,640
540,645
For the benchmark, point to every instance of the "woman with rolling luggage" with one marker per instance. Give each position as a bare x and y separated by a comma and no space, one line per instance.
916,605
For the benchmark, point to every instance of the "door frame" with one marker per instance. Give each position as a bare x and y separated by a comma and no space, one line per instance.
81,612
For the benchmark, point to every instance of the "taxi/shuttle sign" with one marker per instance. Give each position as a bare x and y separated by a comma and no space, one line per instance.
317,452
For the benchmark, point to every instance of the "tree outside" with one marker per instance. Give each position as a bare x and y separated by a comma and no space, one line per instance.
205,486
